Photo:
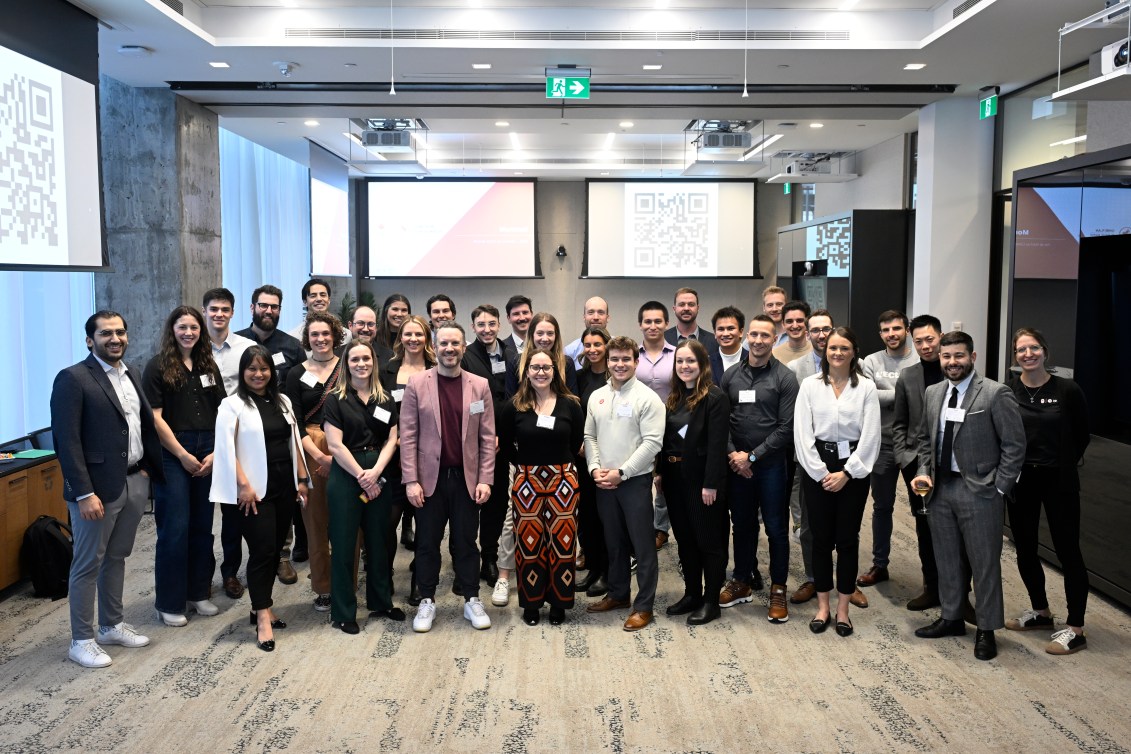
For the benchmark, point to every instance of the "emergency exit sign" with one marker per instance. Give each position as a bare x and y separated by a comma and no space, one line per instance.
567,87
987,108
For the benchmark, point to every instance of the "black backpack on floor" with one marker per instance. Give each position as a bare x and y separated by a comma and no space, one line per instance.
46,554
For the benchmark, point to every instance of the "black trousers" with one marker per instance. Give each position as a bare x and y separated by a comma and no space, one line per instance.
266,530
448,503
589,528
231,540
700,532
834,518
493,513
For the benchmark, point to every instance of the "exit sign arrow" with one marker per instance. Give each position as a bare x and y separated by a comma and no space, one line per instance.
567,87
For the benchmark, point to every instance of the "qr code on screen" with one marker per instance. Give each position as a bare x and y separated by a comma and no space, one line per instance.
671,232
28,213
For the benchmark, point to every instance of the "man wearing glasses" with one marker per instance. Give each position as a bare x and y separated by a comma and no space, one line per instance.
286,350
363,328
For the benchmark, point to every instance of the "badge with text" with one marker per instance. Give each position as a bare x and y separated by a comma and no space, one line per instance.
309,379
279,358
398,395
746,396
624,411
545,422
498,367
957,415
842,450
382,415
206,380
476,407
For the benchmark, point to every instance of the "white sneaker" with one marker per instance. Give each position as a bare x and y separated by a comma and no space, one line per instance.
501,594
422,623
172,619
474,611
204,607
87,653
123,634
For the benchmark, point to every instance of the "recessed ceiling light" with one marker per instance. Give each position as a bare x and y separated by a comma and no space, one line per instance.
652,66
311,123
914,66
481,66
783,65
350,65
219,64
518,172
605,173
626,124
502,123
816,125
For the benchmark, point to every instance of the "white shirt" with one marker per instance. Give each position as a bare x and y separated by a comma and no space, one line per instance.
131,404
227,357
853,417
576,351
961,388
730,360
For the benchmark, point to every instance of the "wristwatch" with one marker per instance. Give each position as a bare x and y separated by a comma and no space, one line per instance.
752,458
623,475
304,480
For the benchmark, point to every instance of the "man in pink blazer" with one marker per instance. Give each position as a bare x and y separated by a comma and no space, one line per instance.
447,426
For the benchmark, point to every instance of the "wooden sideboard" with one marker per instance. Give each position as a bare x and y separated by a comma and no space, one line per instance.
28,489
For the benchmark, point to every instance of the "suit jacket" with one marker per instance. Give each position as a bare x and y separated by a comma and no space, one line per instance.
91,434
716,358
420,432
513,343
477,361
989,443
909,391
239,437
803,367
706,337
705,444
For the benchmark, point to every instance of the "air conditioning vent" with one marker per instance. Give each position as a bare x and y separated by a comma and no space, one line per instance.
387,141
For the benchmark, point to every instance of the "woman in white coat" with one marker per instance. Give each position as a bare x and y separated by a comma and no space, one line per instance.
259,466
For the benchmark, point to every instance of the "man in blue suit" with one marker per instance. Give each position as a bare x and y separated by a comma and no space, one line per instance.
104,438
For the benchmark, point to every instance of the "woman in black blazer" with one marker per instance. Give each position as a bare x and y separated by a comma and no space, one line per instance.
693,467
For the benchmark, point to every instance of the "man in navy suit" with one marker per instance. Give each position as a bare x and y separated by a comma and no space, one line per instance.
104,438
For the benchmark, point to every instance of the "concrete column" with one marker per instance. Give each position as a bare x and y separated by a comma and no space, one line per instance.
952,229
161,189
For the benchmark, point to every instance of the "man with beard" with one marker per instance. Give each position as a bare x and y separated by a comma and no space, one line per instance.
448,474
104,437
520,311
795,318
363,327
595,313
686,327
971,449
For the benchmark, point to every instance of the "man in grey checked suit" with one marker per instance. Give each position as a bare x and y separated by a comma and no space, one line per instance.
971,448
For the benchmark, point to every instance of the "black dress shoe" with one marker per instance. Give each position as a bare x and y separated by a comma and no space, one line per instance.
414,597
277,623
687,604
582,584
266,646
393,613
489,572
347,626
756,583
940,628
706,613
531,616
818,626
843,629
598,587
557,616
299,556
985,645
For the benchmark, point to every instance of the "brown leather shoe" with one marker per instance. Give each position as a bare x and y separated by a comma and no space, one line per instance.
779,611
233,588
873,576
924,601
286,572
661,539
804,593
606,604
638,620
858,599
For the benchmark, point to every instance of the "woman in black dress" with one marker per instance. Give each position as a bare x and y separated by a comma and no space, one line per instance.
693,469
393,314
540,430
592,375
1055,416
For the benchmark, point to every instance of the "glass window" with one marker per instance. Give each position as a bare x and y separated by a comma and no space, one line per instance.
808,196
1036,130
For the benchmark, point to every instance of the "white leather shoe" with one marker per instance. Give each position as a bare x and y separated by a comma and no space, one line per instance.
88,654
172,619
204,607
122,634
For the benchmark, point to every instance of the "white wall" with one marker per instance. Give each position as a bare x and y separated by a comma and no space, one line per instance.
881,185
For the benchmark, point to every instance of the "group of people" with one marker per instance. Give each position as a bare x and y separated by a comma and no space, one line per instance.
541,459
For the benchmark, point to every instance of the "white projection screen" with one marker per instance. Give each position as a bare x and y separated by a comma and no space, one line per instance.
329,214
673,229
50,203
451,229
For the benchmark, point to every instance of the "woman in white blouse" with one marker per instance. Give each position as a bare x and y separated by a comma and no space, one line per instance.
836,430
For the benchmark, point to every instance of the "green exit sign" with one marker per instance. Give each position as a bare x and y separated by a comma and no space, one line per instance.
787,188
987,108
571,87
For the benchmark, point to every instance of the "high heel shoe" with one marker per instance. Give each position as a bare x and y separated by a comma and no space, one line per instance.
266,646
277,623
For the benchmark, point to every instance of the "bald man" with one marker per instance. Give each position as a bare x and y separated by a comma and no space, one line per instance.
595,313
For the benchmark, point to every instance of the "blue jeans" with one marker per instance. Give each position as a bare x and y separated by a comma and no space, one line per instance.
767,492
183,512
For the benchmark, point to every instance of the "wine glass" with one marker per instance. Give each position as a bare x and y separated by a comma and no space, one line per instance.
922,488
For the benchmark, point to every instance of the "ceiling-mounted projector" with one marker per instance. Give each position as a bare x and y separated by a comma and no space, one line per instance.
1114,56
387,141
718,141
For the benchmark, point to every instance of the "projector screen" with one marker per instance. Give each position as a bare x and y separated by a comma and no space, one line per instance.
451,229
50,203
329,214
683,229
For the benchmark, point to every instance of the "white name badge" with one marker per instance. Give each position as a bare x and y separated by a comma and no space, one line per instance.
746,396
309,379
683,431
382,415
498,367
842,449
398,395
279,358
545,422
624,411
477,407
206,380
957,415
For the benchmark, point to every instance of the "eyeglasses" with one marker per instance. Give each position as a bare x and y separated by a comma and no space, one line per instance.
268,307
121,333
365,325
1026,349
820,330
541,367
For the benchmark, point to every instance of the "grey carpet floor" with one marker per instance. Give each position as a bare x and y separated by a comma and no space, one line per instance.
739,684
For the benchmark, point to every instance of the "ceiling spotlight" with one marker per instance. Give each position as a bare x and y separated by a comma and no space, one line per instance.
652,66
219,64
311,123
914,66
502,123
481,66
626,124
816,125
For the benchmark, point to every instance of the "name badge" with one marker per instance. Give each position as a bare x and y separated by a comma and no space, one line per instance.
498,367
842,450
746,396
398,395
683,431
206,380
477,407
309,379
624,411
382,415
545,422
957,415
279,358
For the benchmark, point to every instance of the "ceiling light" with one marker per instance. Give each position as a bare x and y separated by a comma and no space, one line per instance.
310,123
605,173
652,66
1066,142
502,123
514,141
816,125
626,124
350,65
219,64
914,66
481,66
518,172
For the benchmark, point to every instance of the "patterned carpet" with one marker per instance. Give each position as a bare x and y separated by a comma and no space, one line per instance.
739,684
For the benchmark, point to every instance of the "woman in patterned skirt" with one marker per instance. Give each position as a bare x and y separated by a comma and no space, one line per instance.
540,430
